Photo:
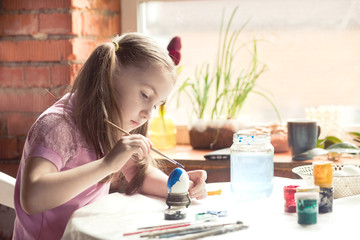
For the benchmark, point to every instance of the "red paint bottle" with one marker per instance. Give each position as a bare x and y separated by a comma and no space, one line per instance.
290,204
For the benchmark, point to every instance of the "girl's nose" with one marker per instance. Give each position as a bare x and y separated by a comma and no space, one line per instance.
146,114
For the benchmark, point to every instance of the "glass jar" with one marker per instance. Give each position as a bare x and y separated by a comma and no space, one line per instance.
251,165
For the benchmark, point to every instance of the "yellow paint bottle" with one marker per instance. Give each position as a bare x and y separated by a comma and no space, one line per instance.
323,174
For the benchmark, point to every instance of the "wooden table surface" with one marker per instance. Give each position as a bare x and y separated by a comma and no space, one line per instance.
219,170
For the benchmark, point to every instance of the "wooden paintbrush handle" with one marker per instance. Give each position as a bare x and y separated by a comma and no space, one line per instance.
153,149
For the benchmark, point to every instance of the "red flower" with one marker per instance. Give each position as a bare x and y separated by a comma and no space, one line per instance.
174,49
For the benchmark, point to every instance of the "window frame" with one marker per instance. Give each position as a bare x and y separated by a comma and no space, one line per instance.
129,18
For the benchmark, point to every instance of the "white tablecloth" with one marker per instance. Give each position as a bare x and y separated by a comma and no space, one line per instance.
116,214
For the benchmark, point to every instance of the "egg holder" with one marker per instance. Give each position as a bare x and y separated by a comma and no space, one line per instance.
344,186
178,195
178,199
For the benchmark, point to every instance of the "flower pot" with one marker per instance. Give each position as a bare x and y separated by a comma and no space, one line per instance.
213,134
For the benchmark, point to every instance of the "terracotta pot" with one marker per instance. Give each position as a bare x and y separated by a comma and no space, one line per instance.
213,134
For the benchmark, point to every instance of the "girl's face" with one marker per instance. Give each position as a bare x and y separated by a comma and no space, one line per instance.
141,90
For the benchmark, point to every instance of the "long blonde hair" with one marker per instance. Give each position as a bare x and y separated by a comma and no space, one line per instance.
95,99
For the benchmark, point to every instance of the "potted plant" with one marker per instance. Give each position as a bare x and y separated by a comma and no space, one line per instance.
216,116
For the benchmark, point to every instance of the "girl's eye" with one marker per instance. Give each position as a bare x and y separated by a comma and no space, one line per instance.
144,95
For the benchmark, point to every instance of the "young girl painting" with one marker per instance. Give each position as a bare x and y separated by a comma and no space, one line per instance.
71,155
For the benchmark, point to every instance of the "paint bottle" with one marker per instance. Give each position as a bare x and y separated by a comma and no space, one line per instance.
289,196
323,177
251,165
323,173
307,207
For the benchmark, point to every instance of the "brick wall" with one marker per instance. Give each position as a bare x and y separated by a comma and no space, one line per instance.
42,45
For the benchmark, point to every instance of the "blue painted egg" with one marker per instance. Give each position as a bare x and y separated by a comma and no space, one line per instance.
178,181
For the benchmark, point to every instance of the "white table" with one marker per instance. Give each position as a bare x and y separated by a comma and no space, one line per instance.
116,214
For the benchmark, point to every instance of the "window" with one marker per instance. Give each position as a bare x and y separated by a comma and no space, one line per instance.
311,48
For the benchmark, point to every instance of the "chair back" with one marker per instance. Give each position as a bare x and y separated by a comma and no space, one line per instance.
7,187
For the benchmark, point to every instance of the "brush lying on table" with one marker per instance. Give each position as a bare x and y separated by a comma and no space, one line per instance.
153,149
196,231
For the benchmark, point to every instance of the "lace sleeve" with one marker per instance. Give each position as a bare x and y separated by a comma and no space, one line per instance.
53,133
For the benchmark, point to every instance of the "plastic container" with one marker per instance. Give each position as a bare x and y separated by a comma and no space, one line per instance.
162,132
290,204
323,174
251,165
307,207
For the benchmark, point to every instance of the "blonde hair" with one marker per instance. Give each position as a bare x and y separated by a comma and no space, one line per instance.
94,88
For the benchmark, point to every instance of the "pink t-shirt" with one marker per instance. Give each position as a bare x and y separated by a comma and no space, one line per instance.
56,139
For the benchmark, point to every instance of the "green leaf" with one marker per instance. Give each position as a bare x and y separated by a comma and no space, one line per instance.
328,141
343,145
355,134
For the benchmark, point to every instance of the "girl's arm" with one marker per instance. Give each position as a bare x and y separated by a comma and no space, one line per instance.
43,187
155,183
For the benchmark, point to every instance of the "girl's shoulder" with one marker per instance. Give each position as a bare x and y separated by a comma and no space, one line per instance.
55,130
54,122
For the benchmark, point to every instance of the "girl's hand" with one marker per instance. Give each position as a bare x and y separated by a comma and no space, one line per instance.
197,188
125,148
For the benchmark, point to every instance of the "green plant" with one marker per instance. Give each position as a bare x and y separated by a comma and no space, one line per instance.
230,90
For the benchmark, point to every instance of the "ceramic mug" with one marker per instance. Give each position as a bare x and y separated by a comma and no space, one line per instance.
302,135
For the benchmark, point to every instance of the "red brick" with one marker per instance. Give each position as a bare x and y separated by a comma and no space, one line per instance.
24,100
37,77
64,75
11,76
46,50
18,124
82,48
112,5
93,23
18,24
55,23
8,148
90,23
60,75
81,4
2,126
76,22
35,4
111,26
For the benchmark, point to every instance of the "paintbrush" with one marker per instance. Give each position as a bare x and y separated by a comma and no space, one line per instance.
187,230
166,227
153,149
214,232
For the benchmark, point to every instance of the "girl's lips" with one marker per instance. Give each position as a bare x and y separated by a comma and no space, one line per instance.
135,123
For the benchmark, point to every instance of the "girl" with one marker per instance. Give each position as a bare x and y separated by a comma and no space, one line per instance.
71,155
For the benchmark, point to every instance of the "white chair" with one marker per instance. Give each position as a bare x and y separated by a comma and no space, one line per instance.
7,187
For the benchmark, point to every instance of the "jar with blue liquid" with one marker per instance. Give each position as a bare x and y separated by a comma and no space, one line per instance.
251,165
